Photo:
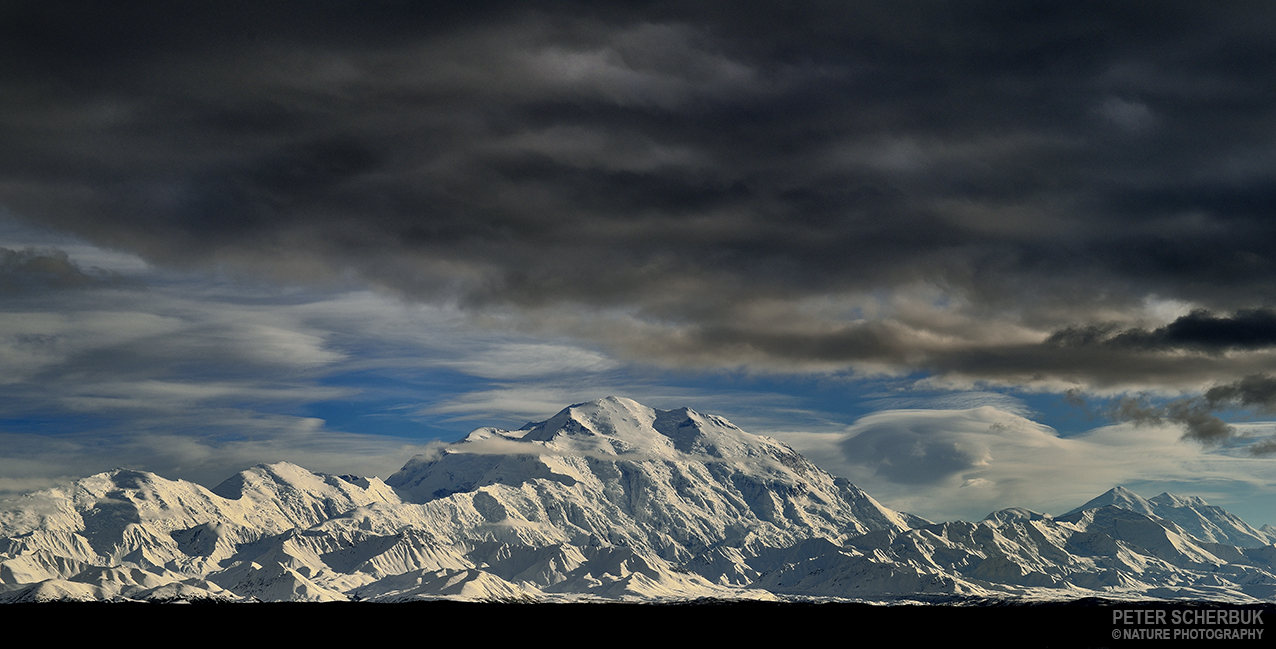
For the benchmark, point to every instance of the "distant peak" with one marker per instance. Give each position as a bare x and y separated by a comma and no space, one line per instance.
129,478
1015,515
614,425
628,403
607,416
1122,493
1119,497
1172,500
611,405
610,399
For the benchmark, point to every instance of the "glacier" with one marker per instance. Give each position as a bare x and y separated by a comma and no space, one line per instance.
607,500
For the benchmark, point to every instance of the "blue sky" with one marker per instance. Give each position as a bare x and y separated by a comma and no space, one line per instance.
968,257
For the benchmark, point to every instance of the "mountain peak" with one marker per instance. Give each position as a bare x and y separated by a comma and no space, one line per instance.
610,416
1174,500
1119,497
1012,515
120,479
1191,513
674,462
619,426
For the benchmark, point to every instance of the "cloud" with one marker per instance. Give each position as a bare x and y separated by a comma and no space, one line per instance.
920,453
660,65
1199,330
33,461
168,372
30,270
689,186
526,360
967,463
1196,416
1130,115
1256,391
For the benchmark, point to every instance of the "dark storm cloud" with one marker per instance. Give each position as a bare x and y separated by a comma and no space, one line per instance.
30,270
1257,391
1199,330
693,165
1196,415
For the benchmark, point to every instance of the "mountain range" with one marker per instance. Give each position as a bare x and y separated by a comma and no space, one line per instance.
606,500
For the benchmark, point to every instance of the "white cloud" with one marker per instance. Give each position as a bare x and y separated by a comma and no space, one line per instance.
32,342
525,360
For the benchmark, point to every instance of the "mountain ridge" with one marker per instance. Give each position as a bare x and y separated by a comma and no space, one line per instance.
607,499
1203,520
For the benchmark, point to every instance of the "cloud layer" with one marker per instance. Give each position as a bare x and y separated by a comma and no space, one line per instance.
973,191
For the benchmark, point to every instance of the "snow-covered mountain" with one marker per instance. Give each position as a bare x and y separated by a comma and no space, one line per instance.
610,500
1201,519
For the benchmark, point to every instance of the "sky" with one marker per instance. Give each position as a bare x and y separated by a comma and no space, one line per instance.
970,255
